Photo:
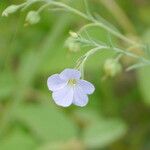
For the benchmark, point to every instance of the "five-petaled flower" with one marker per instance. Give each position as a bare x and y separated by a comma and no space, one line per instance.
68,88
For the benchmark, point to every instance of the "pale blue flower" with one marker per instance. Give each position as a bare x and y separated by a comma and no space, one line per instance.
68,88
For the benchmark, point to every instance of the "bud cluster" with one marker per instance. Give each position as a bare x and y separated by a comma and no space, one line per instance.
71,43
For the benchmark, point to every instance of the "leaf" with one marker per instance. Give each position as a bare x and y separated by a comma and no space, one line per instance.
87,116
144,83
69,145
103,133
18,140
27,68
46,123
7,84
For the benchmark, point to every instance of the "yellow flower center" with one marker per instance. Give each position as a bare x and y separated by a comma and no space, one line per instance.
72,82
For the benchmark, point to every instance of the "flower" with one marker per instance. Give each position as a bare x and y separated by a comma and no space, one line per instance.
68,88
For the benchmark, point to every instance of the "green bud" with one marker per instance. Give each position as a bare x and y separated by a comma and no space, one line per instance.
32,17
72,44
112,67
10,10
73,34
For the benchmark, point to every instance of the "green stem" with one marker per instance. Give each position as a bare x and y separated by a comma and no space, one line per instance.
43,7
89,18
83,59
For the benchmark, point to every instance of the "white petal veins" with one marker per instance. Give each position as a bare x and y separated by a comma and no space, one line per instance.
64,96
55,83
87,87
70,74
79,98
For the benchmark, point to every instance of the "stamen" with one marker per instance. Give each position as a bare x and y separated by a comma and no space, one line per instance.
72,82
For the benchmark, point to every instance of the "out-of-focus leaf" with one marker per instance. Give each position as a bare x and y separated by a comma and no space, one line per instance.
69,145
103,133
144,83
146,40
6,84
46,122
143,11
18,140
144,73
27,68
87,116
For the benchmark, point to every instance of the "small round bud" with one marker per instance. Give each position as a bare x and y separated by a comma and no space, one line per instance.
112,67
32,17
73,34
10,10
72,44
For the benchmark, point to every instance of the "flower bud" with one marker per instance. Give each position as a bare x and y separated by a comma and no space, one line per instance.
32,17
73,34
72,44
10,10
112,67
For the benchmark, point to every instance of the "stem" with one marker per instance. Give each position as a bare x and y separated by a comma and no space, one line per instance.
70,9
43,7
89,18
144,60
28,4
118,57
83,59
119,15
100,24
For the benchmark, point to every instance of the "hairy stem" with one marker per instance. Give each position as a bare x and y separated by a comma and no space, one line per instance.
98,47
91,19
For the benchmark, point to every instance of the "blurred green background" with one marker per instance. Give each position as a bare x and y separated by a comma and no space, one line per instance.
117,116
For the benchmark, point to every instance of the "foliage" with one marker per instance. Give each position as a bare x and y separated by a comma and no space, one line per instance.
117,116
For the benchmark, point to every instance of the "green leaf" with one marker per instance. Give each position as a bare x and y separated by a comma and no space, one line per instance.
144,83
87,116
18,140
103,133
69,145
7,84
27,68
46,122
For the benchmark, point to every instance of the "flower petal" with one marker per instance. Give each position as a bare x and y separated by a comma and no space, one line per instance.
79,98
55,83
64,96
70,74
87,87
